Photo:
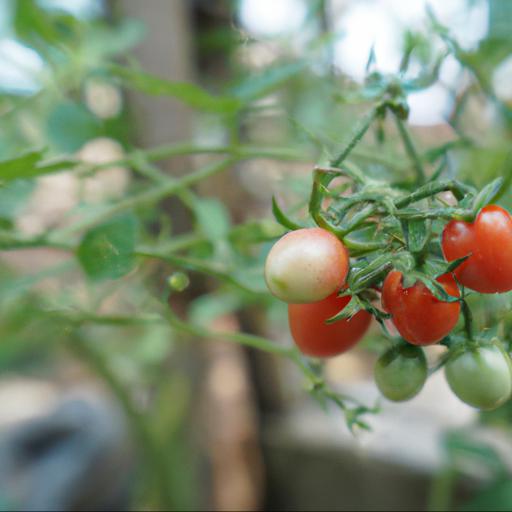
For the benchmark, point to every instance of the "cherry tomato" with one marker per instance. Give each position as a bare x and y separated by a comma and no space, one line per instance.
316,338
480,376
418,316
488,241
401,372
306,265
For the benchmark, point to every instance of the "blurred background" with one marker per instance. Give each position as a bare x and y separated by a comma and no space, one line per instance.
108,405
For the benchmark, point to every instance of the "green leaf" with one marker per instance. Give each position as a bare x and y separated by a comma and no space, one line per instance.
13,196
353,307
370,273
376,312
487,194
70,125
30,165
438,267
281,217
463,448
107,251
111,40
454,264
496,497
18,167
188,93
260,84
404,262
33,23
417,234
255,231
213,219
434,287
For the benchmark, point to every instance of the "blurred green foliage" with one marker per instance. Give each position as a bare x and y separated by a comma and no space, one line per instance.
113,245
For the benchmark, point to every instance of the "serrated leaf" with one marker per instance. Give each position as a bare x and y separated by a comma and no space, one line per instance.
188,93
281,217
353,307
107,251
487,194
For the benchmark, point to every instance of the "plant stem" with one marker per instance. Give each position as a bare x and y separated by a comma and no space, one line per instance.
141,429
181,149
427,190
458,189
441,213
411,151
197,265
247,340
468,320
441,490
149,196
359,134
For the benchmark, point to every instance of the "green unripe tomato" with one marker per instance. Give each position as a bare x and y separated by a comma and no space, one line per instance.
480,376
401,372
178,281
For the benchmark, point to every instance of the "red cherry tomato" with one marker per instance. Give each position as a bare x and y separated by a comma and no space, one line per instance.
419,317
316,338
488,241
306,265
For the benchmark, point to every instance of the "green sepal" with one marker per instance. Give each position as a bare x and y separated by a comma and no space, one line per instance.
282,218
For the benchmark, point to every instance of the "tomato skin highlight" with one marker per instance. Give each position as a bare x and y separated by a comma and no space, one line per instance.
401,372
488,241
481,376
306,265
419,317
316,338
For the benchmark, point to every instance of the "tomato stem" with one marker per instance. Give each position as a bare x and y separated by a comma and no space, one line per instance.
359,134
468,320
411,150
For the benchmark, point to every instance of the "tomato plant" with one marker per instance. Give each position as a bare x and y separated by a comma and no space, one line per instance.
401,372
315,337
382,227
306,265
480,375
487,242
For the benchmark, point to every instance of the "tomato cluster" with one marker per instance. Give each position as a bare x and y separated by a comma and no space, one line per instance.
308,268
